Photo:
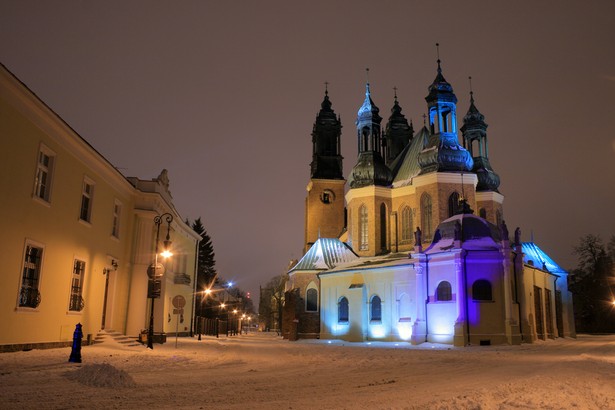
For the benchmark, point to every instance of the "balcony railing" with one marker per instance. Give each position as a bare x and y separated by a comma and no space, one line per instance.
29,297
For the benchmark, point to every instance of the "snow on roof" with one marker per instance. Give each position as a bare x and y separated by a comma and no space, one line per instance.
326,253
533,255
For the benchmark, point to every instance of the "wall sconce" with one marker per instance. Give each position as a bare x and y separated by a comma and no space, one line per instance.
114,265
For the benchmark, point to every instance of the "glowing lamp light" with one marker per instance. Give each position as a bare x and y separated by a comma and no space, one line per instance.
222,305
404,330
207,291
377,331
235,311
230,284
166,253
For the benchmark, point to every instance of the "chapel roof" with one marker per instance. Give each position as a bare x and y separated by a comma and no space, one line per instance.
533,255
326,253
472,231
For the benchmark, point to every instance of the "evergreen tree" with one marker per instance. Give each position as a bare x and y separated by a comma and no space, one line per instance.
206,272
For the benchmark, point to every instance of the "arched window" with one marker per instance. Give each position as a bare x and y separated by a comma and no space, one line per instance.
481,290
406,224
363,233
383,227
311,300
426,218
342,310
444,292
375,311
482,213
454,207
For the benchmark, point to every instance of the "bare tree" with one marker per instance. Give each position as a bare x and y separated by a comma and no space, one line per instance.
272,302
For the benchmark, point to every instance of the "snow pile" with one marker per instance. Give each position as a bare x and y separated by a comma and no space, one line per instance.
261,371
101,375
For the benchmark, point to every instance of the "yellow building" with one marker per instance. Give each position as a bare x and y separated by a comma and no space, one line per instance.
79,236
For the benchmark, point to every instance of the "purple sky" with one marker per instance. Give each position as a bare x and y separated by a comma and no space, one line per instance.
224,96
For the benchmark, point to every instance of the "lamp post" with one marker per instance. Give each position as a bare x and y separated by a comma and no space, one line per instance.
155,281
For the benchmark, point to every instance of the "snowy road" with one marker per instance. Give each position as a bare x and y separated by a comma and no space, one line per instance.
266,372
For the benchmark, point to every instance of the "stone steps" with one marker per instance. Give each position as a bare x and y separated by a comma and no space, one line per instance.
110,336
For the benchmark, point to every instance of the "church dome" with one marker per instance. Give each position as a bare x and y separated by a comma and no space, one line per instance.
370,169
472,231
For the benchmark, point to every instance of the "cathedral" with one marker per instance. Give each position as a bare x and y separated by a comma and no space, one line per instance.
413,245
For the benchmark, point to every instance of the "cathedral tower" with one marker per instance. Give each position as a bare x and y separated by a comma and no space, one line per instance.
398,133
369,202
474,131
324,204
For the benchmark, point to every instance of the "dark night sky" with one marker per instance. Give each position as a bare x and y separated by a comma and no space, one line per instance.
224,95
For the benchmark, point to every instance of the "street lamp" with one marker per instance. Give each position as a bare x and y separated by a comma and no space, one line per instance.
153,271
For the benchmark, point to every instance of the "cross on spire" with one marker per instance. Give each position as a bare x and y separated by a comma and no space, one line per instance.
438,54
424,120
471,92
395,91
326,88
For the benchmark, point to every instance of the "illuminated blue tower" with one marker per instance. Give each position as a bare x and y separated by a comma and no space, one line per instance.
370,168
443,152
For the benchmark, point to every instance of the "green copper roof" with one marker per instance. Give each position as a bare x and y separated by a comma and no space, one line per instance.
406,165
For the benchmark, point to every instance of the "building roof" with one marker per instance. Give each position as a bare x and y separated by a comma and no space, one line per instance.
407,166
533,255
326,253
472,232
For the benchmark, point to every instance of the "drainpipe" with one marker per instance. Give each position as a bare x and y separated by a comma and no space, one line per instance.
427,294
465,290
517,294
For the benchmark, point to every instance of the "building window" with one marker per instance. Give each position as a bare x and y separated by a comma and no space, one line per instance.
76,288
444,292
117,213
482,213
375,309
342,310
311,300
383,228
29,295
363,232
426,217
498,217
87,195
481,290
454,207
44,174
406,224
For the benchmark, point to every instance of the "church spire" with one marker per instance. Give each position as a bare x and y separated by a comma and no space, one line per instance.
370,168
326,149
474,131
398,132
444,153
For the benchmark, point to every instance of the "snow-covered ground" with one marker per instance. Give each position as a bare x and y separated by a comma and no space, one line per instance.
260,371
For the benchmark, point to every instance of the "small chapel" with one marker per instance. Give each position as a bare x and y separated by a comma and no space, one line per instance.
413,246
